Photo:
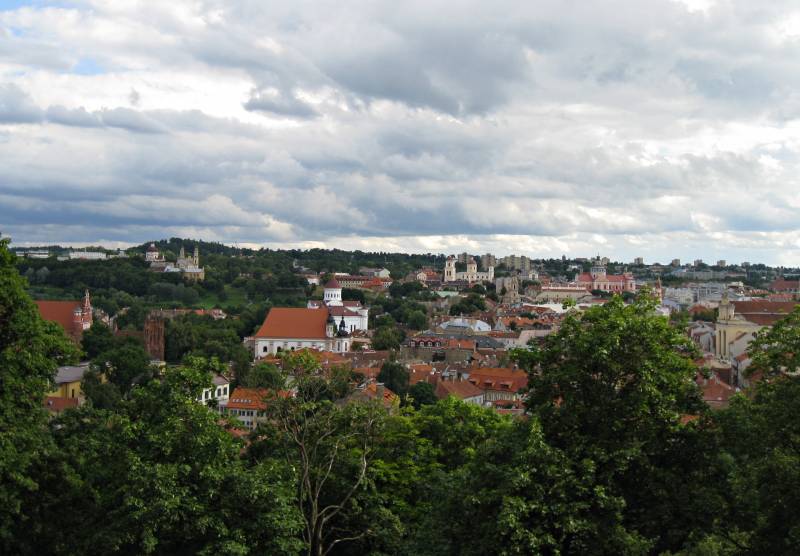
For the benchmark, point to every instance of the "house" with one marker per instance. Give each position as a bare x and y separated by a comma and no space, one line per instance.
499,383
55,405
249,405
463,390
217,392
73,316
377,391
748,317
786,286
68,382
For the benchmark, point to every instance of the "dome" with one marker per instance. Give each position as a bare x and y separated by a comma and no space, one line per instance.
333,285
152,248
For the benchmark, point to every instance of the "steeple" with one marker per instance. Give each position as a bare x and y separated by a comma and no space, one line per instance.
196,257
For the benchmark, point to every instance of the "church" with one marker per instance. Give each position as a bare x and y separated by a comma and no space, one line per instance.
471,275
326,326
597,279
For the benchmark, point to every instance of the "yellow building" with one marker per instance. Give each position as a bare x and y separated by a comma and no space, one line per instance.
68,382
738,319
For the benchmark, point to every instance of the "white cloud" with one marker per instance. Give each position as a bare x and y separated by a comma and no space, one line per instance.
630,129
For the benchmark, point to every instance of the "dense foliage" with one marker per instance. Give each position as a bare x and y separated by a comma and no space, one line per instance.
603,463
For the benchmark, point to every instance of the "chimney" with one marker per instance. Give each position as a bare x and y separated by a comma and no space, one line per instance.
380,388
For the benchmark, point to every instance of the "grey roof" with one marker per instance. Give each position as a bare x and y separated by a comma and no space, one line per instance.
71,373
219,380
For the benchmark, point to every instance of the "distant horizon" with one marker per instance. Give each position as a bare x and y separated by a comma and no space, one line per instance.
236,245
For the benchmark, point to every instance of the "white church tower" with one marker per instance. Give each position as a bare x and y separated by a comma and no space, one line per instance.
333,293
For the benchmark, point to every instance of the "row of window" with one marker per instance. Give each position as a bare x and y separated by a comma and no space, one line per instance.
221,391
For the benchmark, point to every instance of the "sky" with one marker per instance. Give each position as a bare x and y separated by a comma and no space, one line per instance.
642,128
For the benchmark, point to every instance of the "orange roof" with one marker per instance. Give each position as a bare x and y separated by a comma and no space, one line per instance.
55,404
248,398
499,378
252,398
289,322
461,389
60,312
765,313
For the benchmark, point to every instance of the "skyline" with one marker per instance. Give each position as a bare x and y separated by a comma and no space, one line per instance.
659,130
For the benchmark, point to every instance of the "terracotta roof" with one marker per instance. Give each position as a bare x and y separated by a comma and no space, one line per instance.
252,398
785,285
60,312
461,389
765,313
57,405
332,284
499,378
289,322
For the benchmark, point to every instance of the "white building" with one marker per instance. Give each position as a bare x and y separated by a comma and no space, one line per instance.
218,391
355,315
471,275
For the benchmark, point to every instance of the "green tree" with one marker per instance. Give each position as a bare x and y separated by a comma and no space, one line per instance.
331,447
417,320
387,337
30,351
159,476
265,375
125,364
97,339
423,393
395,376
610,388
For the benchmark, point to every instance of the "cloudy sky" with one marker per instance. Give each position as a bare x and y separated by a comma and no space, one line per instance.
628,128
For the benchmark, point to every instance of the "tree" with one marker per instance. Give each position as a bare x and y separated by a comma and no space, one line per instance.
97,339
610,388
776,350
423,393
30,351
159,475
264,375
395,376
417,320
387,337
331,447
124,364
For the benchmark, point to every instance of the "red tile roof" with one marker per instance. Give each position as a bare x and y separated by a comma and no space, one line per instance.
289,322
252,398
55,404
499,378
60,312
765,313
460,389
332,284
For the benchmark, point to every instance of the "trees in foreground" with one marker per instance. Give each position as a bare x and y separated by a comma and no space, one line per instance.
604,462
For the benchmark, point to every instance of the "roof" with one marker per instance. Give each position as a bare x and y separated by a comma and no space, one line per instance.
290,322
332,285
765,313
60,312
57,405
251,398
461,389
499,378
71,373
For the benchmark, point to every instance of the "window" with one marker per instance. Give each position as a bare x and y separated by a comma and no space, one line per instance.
264,349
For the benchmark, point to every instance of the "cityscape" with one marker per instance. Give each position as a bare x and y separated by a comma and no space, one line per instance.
440,278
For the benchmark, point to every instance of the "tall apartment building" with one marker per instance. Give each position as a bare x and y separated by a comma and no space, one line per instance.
488,260
514,262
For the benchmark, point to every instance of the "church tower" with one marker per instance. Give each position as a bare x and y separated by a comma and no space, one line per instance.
196,258
450,269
